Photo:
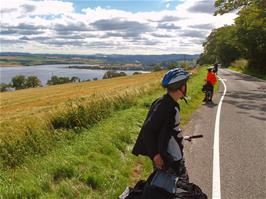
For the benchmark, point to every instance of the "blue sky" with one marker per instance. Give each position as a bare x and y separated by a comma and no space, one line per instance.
110,26
126,5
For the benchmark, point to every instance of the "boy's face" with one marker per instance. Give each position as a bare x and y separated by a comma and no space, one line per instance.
183,89
179,93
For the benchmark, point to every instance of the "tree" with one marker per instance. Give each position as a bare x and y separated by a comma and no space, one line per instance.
157,67
137,73
58,80
245,39
251,33
32,81
5,87
75,79
225,6
112,74
173,65
19,82
221,46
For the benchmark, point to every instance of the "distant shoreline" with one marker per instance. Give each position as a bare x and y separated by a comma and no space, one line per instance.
86,67
10,65
108,68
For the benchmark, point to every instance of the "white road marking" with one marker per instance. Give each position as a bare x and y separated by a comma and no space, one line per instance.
216,185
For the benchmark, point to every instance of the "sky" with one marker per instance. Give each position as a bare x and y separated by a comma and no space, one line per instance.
108,26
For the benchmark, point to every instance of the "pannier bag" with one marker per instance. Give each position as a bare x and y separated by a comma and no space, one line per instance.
152,189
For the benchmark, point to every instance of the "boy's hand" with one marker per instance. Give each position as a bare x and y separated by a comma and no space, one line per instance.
158,161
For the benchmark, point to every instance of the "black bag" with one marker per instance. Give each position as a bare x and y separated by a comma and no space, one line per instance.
204,88
144,190
184,191
134,193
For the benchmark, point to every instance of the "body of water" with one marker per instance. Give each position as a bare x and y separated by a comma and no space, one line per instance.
44,72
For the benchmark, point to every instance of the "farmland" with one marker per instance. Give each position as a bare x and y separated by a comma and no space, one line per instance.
41,60
37,102
74,140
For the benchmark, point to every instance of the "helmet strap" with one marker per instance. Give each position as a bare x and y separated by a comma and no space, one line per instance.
184,94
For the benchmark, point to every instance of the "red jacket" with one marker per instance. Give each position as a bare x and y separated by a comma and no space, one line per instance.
211,77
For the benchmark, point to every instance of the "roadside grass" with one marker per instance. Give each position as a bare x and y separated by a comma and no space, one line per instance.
94,162
30,135
248,72
63,125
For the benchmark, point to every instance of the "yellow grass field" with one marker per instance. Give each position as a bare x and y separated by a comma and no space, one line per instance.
37,103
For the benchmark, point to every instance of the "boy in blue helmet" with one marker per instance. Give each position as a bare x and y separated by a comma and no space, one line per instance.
160,137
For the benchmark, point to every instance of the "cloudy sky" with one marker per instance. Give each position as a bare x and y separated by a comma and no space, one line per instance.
109,26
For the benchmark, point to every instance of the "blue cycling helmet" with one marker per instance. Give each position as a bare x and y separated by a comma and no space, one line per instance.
175,78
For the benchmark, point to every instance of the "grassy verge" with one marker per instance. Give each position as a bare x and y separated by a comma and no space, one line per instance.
63,125
248,72
94,162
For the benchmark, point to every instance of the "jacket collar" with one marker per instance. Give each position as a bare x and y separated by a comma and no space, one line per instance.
171,100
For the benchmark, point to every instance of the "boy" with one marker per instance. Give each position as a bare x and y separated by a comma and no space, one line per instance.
210,82
160,137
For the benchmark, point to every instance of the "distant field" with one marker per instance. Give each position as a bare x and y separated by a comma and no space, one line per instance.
7,61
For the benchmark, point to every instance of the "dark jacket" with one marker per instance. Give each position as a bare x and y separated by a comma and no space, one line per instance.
157,128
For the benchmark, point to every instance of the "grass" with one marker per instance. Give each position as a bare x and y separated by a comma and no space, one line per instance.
94,162
16,108
248,72
33,120
242,67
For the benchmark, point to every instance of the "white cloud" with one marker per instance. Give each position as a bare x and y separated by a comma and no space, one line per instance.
54,26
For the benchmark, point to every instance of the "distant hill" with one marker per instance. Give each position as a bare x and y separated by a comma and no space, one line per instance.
144,59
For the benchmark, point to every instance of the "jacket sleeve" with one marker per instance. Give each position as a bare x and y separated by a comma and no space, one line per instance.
153,127
165,135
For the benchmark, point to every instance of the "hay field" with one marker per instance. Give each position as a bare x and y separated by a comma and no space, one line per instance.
19,106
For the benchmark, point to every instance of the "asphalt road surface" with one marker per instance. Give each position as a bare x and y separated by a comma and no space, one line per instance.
242,139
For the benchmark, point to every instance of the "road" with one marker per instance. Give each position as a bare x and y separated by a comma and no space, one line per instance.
242,139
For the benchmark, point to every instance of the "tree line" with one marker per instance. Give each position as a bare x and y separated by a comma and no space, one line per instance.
22,82
245,39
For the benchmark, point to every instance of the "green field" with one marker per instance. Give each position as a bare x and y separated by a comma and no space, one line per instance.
42,59
87,161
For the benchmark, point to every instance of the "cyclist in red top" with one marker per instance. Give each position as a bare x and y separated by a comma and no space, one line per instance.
210,82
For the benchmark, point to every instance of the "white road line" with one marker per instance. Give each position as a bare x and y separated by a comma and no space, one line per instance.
216,185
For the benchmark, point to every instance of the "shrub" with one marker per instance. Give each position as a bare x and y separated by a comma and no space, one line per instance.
240,63
112,74
5,87
32,81
19,82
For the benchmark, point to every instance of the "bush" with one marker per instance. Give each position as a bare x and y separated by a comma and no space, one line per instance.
112,74
32,81
19,82
5,87
62,80
240,63
137,73
157,67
